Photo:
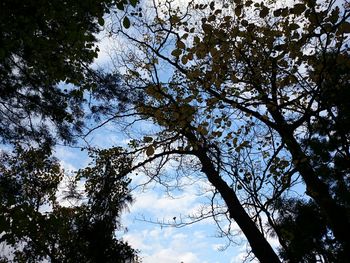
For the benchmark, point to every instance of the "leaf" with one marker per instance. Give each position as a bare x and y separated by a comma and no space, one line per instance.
180,45
196,40
126,22
150,150
176,52
101,21
238,10
212,5
235,141
174,19
345,27
184,60
120,5
133,2
294,26
147,139
244,22
277,12
264,12
298,9
207,28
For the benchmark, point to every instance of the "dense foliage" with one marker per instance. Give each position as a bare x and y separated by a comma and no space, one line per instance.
46,50
36,226
250,95
43,45
256,92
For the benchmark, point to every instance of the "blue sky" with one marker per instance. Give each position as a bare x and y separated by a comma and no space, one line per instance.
194,243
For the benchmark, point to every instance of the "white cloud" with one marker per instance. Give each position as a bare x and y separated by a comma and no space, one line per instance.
169,255
162,205
164,245
242,256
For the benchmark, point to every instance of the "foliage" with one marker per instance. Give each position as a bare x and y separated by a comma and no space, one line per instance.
44,45
46,49
35,226
305,231
255,93
328,143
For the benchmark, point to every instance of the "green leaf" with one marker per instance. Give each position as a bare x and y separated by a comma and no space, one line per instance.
101,21
133,2
238,10
126,22
120,5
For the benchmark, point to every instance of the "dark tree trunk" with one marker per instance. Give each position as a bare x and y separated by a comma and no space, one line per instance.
260,247
258,243
337,215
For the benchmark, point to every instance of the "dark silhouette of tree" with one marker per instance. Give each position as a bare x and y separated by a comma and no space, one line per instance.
43,45
250,81
35,226
46,49
304,230
303,225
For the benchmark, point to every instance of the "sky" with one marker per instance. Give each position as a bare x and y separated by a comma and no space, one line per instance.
194,243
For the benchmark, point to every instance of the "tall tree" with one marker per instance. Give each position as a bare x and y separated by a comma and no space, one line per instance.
34,224
250,79
43,45
46,50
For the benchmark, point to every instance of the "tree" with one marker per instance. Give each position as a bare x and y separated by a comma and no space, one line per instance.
35,226
327,147
46,50
45,44
304,229
250,79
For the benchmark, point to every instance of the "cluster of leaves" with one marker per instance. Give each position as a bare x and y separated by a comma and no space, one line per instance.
255,93
46,49
35,226
304,229
44,45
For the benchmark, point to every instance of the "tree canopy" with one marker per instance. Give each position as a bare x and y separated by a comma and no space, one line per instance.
36,226
252,95
46,51
255,93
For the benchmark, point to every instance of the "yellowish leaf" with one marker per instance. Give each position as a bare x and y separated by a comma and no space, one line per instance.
150,150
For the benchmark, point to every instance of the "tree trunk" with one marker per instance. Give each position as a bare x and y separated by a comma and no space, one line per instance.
259,245
315,188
